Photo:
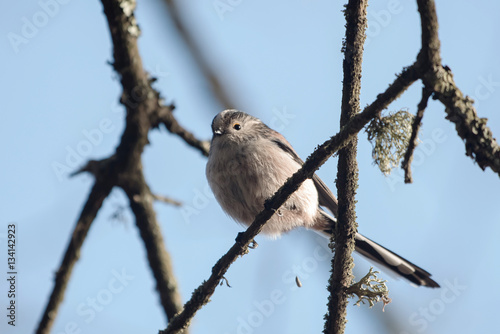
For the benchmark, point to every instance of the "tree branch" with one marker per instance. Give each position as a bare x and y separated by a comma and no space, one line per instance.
479,142
167,200
143,104
141,203
124,168
218,89
347,176
99,192
138,93
165,116
429,55
413,142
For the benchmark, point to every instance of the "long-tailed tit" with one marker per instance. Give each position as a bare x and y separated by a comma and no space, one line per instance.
247,164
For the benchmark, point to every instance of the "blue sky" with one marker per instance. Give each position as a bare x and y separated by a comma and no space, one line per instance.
281,62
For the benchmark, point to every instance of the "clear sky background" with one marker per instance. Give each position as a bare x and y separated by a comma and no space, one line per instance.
276,58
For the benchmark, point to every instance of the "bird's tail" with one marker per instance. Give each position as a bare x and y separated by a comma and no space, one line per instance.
383,256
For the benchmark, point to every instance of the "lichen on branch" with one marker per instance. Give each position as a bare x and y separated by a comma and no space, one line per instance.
370,289
390,136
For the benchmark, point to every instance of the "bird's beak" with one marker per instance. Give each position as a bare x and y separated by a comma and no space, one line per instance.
218,132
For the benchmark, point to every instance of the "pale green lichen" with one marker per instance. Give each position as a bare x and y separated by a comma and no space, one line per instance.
369,289
389,136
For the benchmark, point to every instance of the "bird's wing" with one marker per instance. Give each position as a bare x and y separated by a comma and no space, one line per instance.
325,195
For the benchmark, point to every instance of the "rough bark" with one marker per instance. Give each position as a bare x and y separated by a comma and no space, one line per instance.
480,144
347,175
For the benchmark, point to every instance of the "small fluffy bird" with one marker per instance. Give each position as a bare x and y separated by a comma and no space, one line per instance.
248,162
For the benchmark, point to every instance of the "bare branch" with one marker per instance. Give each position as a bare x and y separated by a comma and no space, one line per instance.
165,116
480,144
141,203
143,104
167,200
218,89
412,144
124,168
99,192
347,175
138,96
429,55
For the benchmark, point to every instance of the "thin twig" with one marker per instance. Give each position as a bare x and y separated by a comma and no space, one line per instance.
167,200
218,89
347,175
165,116
412,144
202,294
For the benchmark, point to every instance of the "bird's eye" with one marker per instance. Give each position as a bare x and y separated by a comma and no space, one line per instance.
236,126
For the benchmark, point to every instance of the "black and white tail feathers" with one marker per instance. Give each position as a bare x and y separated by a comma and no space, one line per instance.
381,255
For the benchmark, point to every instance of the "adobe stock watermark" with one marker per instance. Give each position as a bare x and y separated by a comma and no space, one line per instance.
75,156
222,7
378,20
450,291
308,265
89,309
265,308
486,87
424,149
31,25
200,201
281,118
